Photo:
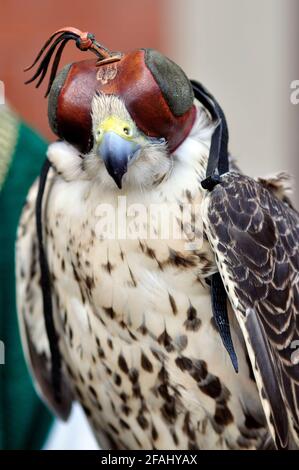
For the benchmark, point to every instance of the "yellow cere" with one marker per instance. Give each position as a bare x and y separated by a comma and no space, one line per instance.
114,124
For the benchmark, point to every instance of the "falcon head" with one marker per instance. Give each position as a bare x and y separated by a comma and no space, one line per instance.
121,151
127,113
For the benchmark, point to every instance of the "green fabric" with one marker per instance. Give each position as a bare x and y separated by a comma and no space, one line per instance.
24,420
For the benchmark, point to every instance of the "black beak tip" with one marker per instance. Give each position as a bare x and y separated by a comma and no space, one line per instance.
116,175
118,182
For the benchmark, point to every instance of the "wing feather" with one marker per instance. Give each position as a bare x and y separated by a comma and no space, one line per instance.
30,311
256,238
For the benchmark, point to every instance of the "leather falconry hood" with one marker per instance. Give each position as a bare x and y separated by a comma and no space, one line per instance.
156,92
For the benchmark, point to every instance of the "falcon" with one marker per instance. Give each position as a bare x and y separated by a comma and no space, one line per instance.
167,342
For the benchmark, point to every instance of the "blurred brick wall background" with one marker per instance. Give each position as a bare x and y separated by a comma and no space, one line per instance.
246,53
26,25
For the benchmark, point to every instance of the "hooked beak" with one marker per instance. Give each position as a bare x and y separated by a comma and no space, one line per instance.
116,153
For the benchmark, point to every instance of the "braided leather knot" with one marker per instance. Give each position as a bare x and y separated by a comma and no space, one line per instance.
84,41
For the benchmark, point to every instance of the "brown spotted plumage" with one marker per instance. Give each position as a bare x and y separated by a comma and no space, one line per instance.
140,350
